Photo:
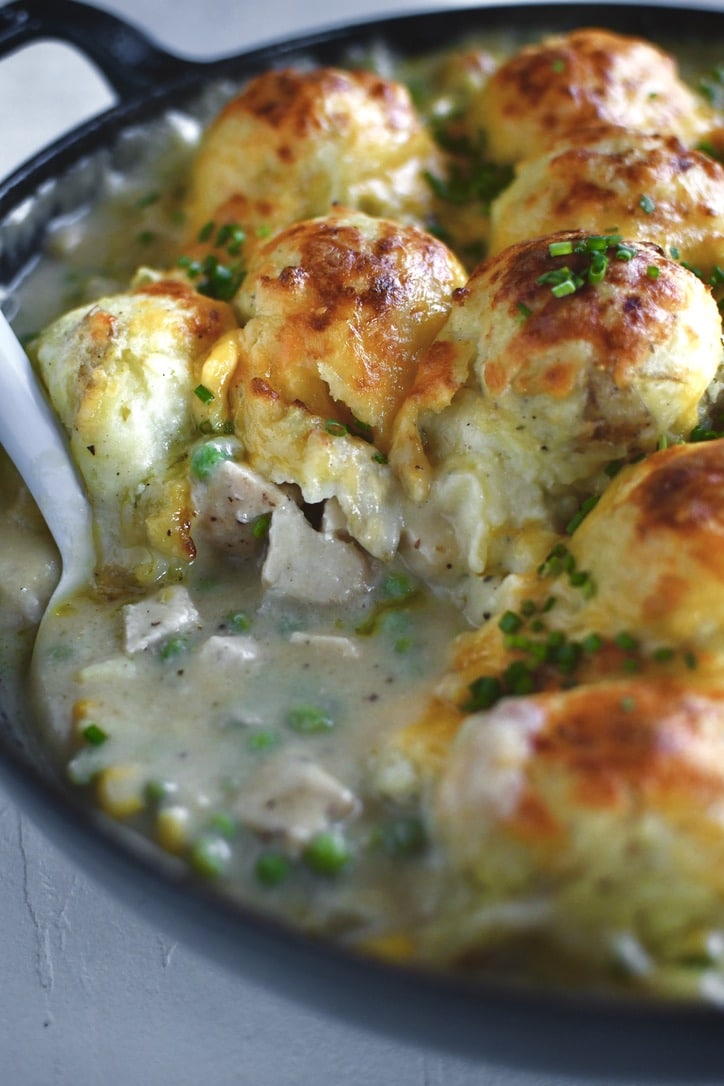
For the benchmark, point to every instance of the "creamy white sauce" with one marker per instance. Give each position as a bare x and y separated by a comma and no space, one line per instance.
173,733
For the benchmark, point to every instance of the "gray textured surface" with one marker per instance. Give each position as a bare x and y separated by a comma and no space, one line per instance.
93,989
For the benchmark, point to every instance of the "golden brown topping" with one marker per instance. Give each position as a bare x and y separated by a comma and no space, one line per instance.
294,143
548,90
650,187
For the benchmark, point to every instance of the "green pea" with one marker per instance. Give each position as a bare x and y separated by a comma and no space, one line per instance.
209,856
173,647
272,867
261,741
327,853
208,456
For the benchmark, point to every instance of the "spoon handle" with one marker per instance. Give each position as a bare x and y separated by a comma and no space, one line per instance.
32,437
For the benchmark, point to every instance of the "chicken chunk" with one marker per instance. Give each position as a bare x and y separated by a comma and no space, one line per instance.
292,799
233,506
312,566
151,621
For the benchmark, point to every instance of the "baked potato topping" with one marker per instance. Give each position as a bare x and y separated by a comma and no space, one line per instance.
408,471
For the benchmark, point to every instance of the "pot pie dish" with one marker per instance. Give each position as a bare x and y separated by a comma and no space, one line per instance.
401,419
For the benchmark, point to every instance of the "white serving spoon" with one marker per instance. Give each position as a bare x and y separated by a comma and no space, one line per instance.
34,440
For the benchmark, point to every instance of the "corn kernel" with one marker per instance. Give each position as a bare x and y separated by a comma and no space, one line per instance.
172,828
395,946
120,790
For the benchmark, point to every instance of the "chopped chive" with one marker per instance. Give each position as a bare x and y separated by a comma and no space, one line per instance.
510,622
205,458
206,231
261,741
237,621
613,467
272,867
336,429
484,693
260,526
223,824
586,507
309,719
560,248
397,586
703,433
597,270
173,647
95,735
204,394
647,205
157,790
404,837
592,642
518,678
562,290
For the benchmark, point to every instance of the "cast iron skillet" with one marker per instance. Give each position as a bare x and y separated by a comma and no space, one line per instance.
529,1029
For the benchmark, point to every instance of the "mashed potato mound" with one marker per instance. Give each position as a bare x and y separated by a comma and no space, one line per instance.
294,143
650,187
337,313
590,817
530,391
609,772
120,373
550,89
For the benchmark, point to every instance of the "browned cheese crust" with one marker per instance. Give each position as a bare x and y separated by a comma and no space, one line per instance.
648,187
294,143
550,89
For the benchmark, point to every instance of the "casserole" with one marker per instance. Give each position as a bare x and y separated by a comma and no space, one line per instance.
175,87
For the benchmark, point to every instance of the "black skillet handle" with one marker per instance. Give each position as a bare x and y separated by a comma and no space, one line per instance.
130,62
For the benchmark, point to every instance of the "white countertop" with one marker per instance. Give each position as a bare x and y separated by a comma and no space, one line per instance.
92,991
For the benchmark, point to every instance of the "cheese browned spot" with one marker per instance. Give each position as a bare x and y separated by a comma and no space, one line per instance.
650,187
526,396
653,545
337,313
120,373
602,804
294,143
548,90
